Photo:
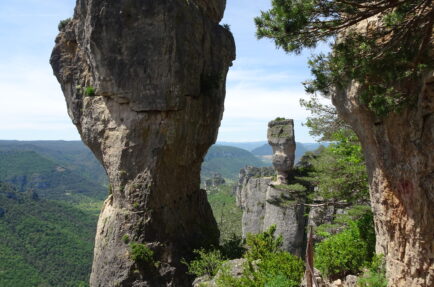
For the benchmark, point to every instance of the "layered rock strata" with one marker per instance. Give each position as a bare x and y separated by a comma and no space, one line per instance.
144,83
280,136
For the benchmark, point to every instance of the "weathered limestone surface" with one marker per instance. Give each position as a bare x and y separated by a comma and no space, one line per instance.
285,209
251,197
281,138
144,82
399,152
264,203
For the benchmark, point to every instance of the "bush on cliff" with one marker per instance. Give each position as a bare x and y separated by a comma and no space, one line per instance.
349,251
266,264
206,262
141,253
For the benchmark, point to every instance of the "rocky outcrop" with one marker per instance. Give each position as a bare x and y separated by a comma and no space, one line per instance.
399,153
144,83
280,136
267,201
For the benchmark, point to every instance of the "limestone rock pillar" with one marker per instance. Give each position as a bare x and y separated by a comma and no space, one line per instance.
281,138
144,83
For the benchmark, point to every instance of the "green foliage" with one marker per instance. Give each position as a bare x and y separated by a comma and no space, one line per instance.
227,27
63,23
348,251
54,169
232,247
339,170
226,213
260,245
126,239
206,262
89,91
44,243
278,119
383,60
266,264
141,253
375,275
292,187
324,121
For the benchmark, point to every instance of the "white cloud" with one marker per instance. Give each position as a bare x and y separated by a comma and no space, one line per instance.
254,97
31,100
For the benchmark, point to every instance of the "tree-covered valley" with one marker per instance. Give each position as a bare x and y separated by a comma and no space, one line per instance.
50,198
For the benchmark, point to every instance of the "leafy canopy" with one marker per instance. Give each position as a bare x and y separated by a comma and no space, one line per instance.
383,56
338,171
349,251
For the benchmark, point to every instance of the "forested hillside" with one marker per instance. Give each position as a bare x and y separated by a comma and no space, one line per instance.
50,197
228,161
43,242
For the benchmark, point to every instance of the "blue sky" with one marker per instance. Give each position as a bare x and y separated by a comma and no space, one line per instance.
263,83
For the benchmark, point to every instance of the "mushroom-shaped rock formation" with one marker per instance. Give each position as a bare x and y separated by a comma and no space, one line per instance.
144,83
281,138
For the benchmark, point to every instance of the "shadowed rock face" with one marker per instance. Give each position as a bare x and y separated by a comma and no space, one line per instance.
281,138
144,82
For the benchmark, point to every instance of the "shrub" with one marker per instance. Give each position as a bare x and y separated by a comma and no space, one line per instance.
206,263
279,119
141,253
232,248
63,23
348,251
126,238
266,264
89,91
227,27
260,245
375,276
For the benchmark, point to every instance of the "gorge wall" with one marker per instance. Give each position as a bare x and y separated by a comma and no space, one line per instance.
144,83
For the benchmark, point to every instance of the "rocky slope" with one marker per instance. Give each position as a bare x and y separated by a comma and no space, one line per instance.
144,83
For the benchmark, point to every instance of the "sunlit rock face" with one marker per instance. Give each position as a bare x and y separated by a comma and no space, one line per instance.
266,198
399,153
281,138
144,82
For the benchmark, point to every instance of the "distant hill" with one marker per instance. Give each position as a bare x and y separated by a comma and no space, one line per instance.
227,161
29,170
249,146
301,149
73,155
42,242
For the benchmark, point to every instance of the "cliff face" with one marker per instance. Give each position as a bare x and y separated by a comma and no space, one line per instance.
144,82
399,152
280,136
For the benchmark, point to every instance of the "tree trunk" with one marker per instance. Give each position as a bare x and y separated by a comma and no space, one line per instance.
399,152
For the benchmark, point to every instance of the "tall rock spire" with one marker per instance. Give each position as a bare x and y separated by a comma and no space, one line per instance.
144,82
281,138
